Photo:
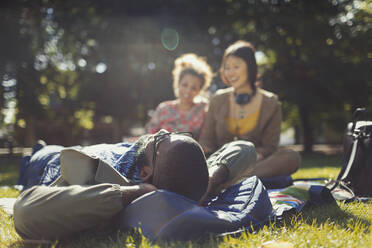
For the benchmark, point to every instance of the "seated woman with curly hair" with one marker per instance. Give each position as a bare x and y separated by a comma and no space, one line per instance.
191,76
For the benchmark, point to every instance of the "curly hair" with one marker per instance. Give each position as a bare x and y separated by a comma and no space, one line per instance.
244,50
195,65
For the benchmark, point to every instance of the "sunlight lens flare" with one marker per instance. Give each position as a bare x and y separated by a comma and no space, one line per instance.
169,38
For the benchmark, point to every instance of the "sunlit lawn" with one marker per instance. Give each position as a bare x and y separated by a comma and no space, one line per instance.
337,225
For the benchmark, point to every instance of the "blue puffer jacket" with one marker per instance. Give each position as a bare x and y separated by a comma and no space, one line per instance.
32,167
165,215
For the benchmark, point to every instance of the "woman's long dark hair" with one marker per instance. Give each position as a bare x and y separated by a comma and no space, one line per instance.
244,50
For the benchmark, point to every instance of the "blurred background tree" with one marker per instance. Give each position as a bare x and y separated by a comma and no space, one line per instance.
88,71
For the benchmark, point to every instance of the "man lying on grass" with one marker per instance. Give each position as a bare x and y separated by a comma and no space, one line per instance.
90,191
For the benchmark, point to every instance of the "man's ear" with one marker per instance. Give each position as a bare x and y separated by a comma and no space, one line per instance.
145,173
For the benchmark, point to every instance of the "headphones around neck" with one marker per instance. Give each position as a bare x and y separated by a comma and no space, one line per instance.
244,98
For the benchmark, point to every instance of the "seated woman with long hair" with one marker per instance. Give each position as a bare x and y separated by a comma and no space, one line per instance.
245,112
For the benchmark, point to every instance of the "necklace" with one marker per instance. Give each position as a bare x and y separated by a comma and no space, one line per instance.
240,113
244,116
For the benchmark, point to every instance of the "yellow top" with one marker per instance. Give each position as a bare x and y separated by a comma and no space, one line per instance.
244,125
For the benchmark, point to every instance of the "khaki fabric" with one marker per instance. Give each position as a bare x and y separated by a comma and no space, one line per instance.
106,174
78,168
237,156
43,212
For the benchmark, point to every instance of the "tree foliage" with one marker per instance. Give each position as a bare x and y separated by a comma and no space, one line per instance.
89,70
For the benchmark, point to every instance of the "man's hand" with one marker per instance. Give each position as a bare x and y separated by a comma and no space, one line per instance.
130,193
216,181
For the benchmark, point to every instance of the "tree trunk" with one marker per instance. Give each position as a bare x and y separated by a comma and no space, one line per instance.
116,132
30,131
298,135
306,128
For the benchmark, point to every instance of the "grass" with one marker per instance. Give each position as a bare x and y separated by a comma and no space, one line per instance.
334,225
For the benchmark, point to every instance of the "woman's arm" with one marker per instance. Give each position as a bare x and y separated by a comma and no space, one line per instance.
271,134
208,138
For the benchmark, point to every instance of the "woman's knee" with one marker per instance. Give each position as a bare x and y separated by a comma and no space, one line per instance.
245,150
293,159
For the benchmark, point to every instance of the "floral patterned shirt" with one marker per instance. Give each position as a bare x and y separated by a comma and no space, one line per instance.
167,116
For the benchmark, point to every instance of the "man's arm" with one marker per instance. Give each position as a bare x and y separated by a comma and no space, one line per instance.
130,193
216,180
57,212
227,164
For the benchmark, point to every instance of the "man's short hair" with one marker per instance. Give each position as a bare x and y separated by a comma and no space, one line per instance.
184,170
